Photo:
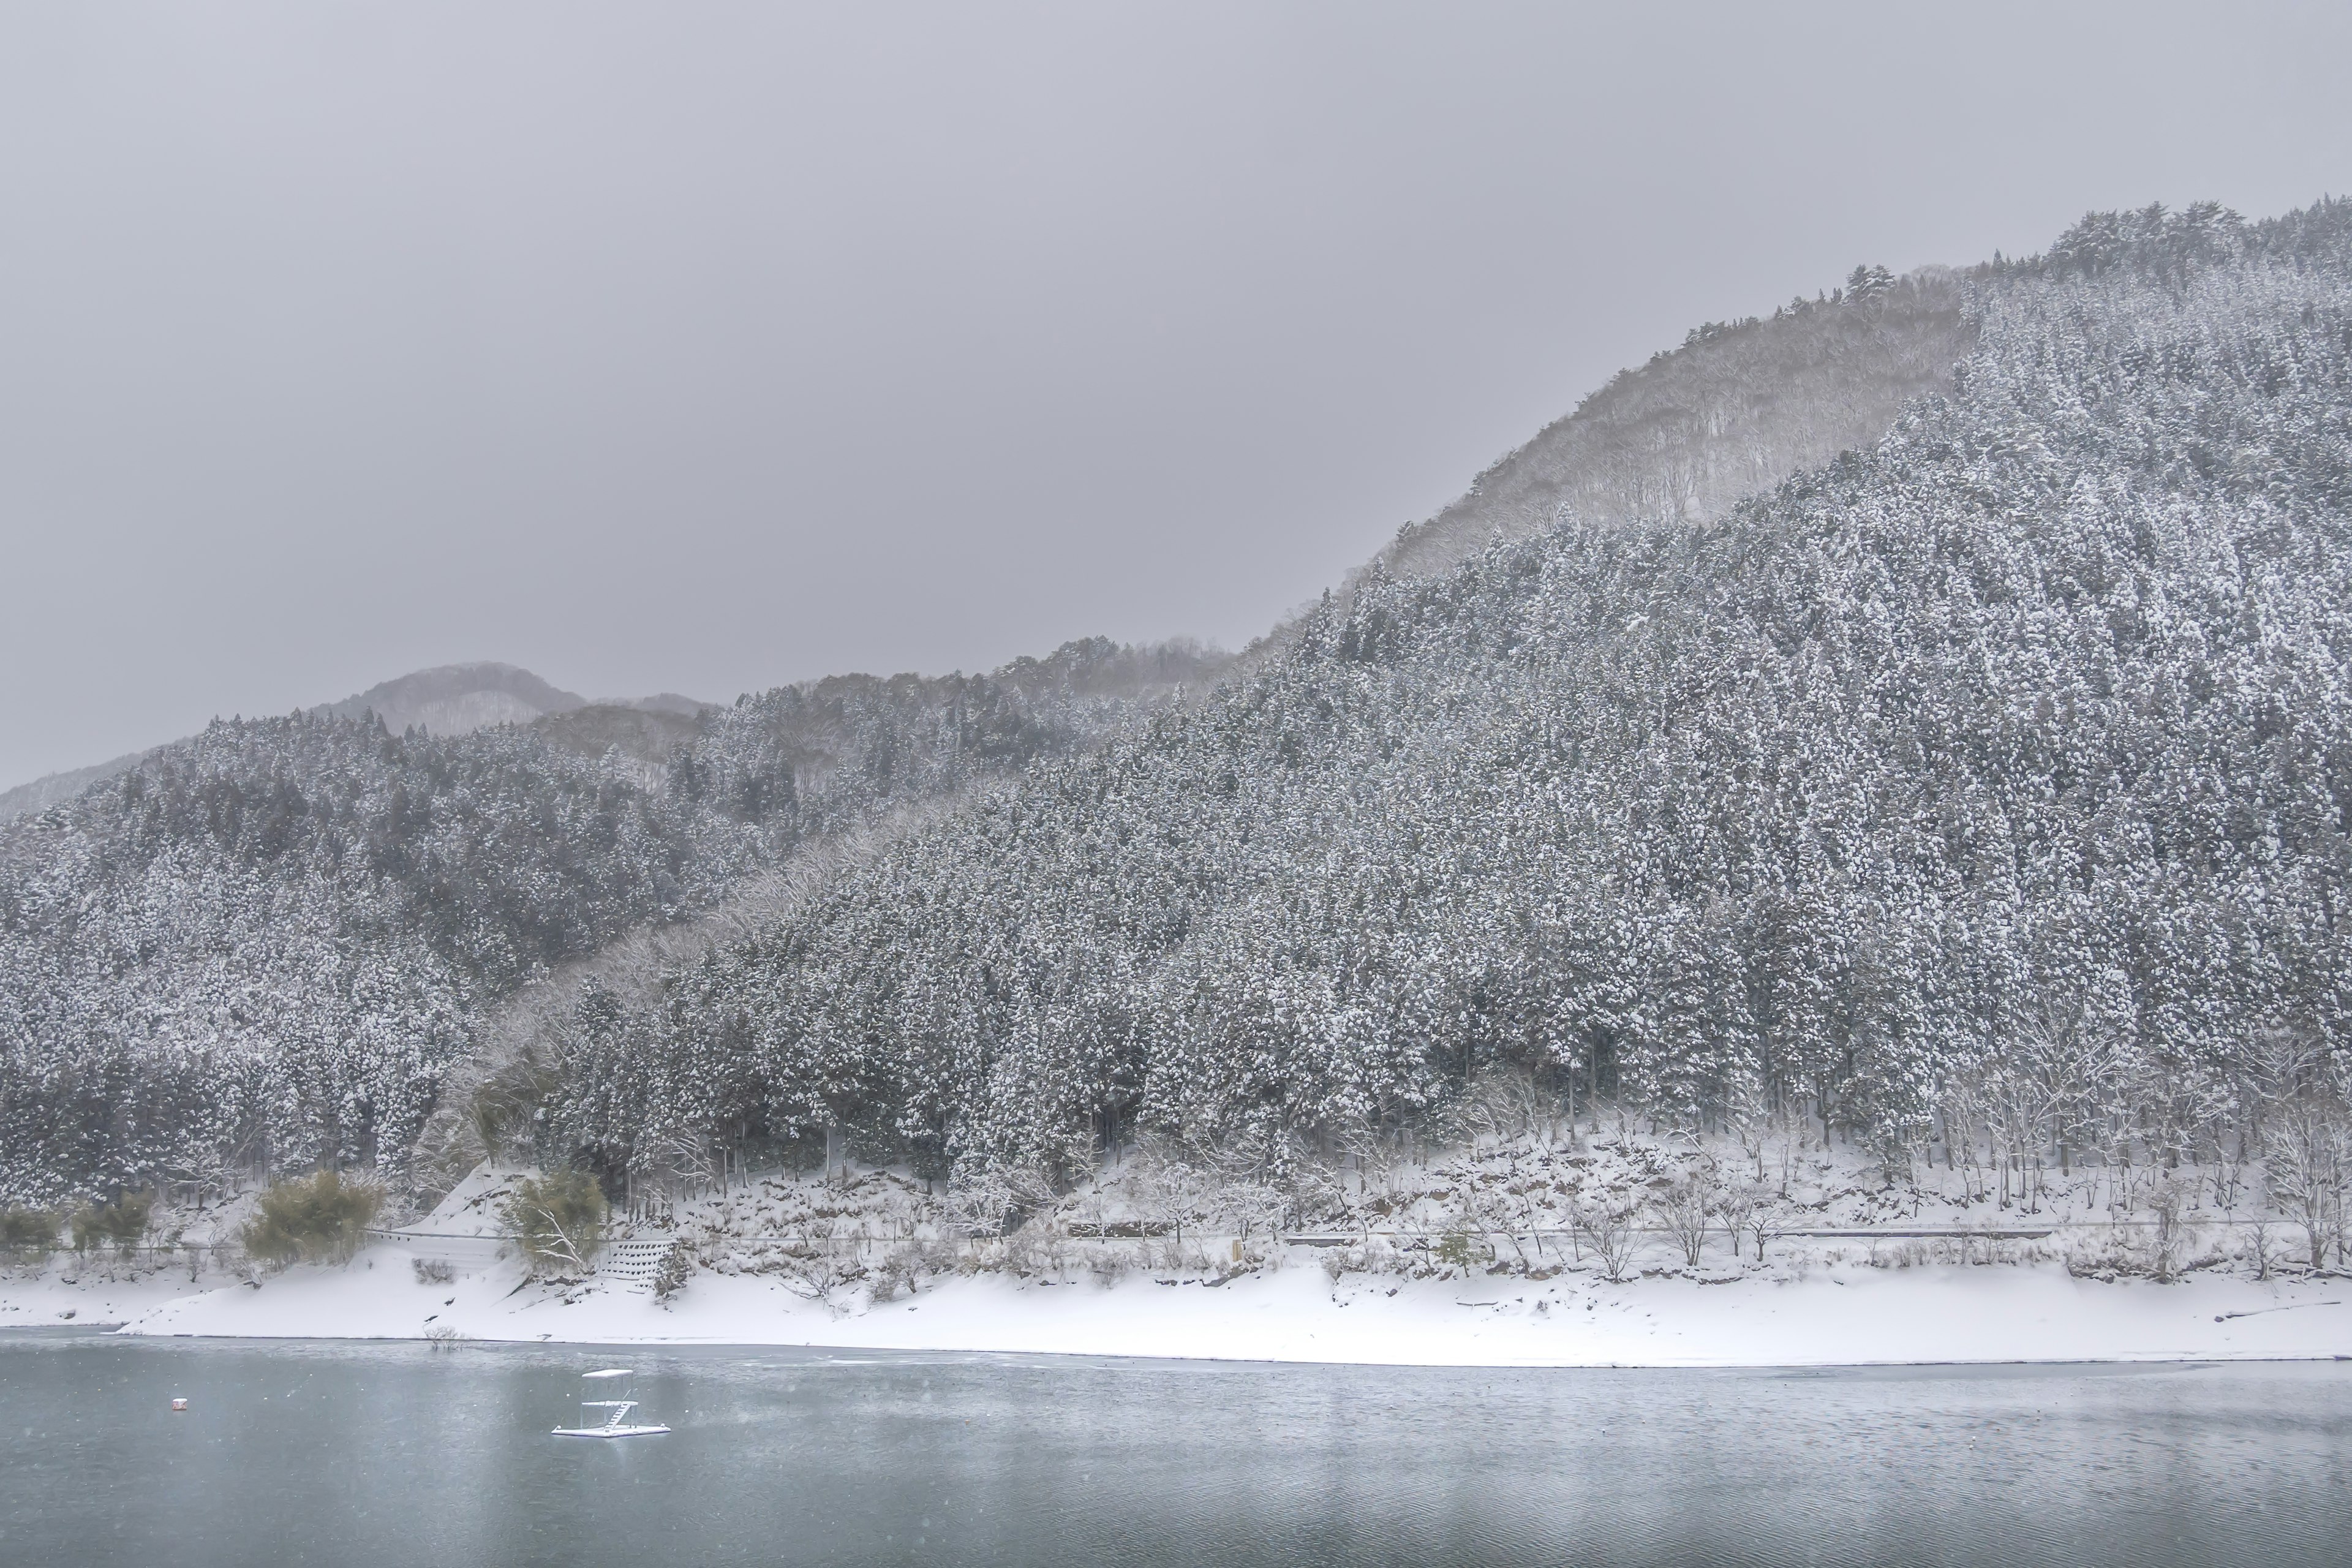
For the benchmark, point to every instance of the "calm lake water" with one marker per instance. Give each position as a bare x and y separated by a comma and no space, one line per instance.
361,1455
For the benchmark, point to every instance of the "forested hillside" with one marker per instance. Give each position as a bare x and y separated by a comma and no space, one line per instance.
1741,407
263,948
1997,772
1990,780
453,700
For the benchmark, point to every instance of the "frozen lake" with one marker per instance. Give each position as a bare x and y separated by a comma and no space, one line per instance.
341,1453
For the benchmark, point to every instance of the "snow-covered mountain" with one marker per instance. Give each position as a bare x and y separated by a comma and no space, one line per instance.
1739,407
1988,786
1937,751
267,945
459,699
451,700
50,788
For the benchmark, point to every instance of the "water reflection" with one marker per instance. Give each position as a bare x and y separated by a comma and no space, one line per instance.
363,1454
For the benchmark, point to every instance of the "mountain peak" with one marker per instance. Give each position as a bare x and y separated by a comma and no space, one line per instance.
458,699
447,700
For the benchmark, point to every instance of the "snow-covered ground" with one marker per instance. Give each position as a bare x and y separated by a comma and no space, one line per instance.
1460,1262
1850,1315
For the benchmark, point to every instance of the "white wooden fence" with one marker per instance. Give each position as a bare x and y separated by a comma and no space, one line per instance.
632,1262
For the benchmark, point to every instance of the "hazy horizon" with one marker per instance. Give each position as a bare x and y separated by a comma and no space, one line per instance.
704,351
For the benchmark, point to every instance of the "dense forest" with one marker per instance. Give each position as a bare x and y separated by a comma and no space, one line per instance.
1982,777
1989,782
262,949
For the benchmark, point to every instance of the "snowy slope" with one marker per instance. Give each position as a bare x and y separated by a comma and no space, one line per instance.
1855,1316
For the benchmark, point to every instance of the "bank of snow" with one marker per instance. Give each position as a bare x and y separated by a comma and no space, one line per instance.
1854,1316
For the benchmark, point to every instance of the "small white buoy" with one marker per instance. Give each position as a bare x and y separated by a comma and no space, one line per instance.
179,1404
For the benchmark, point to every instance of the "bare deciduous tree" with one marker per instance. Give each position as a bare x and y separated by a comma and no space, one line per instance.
1606,1223
2304,1144
1687,1207
1734,1202
1761,1216
1506,1104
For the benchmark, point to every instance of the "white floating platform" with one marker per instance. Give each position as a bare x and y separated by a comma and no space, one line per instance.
617,1423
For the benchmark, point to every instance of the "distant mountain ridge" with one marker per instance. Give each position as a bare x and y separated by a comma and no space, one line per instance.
50,788
447,700
458,699
270,943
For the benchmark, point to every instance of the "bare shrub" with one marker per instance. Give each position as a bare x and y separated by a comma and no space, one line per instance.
432,1270
1606,1223
1734,1203
2165,1200
1687,1208
1505,1104
901,1268
992,1201
1762,1213
1178,1191
2262,1248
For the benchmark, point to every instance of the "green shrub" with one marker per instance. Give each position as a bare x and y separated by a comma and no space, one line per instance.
27,1230
313,1219
676,1267
122,1223
1460,1248
559,1219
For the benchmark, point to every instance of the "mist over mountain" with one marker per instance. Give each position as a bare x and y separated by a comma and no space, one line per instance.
1741,407
50,788
1997,773
451,700
459,699
1922,706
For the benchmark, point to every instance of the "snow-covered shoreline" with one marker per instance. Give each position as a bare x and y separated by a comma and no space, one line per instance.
1836,1317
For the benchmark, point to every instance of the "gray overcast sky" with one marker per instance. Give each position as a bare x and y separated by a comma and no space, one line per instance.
703,347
